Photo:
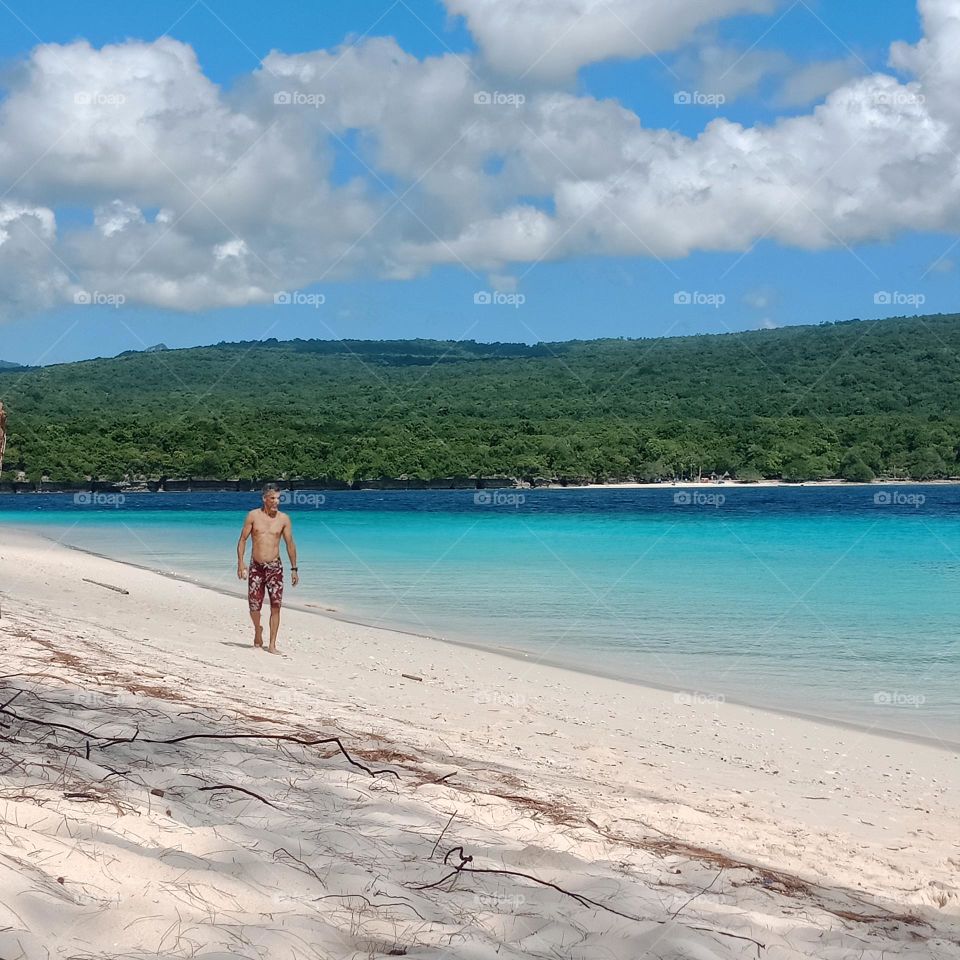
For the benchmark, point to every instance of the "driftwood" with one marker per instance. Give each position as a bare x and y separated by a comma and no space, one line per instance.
107,742
442,832
108,586
462,865
285,738
465,860
249,793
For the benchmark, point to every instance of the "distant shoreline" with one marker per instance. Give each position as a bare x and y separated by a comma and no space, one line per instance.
438,484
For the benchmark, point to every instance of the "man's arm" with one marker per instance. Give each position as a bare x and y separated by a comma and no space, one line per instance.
242,546
291,551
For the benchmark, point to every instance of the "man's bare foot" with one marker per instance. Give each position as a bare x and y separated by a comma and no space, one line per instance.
258,638
273,649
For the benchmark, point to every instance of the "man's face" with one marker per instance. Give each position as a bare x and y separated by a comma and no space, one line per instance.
271,501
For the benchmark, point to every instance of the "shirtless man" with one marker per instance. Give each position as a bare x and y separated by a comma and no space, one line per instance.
267,525
3,433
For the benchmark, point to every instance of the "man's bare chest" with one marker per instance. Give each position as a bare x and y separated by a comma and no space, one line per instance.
267,528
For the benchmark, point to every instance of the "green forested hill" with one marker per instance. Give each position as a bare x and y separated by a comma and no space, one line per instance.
848,399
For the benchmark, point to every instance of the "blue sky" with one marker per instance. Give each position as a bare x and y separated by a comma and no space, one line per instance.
579,296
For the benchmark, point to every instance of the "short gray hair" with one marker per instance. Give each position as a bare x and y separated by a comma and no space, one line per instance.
270,488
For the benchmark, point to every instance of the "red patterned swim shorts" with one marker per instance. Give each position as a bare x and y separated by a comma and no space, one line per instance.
265,576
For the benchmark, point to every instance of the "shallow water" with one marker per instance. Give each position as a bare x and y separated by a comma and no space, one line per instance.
836,602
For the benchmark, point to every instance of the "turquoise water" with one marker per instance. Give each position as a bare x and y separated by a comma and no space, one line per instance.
825,601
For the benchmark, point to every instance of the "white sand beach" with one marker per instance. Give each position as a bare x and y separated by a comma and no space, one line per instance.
149,805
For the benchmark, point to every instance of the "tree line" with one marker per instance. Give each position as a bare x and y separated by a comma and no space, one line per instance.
856,400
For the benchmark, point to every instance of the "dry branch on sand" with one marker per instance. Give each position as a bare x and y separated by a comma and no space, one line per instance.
250,836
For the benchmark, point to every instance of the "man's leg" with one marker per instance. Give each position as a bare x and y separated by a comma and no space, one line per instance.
255,589
274,627
257,628
274,585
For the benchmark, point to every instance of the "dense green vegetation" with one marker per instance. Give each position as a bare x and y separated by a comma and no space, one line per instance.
853,399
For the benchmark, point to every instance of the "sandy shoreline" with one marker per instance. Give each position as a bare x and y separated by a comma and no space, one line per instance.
833,482
687,817
527,657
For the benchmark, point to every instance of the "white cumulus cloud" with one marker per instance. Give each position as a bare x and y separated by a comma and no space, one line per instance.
551,39
366,161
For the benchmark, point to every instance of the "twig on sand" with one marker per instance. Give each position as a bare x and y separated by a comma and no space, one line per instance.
306,866
285,738
462,867
106,742
282,853
249,793
579,897
700,893
14,697
49,723
108,586
370,903
442,832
